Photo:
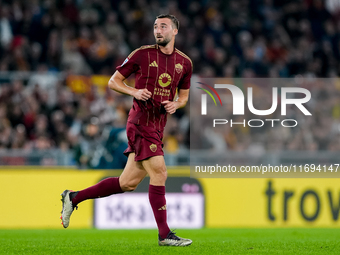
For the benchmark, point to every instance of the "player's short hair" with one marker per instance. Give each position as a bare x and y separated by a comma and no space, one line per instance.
171,17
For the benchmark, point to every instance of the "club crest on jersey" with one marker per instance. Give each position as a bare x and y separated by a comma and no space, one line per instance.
126,60
153,147
164,80
178,68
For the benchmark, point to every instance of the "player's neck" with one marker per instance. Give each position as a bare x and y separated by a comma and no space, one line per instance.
168,49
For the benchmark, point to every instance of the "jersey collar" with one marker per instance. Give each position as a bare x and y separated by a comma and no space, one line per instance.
158,48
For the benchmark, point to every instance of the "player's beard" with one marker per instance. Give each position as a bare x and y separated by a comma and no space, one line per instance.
164,42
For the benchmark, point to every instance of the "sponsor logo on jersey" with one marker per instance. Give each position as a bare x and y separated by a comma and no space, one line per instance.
178,68
154,64
164,80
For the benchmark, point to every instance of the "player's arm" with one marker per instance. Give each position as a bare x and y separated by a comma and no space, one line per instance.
117,84
172,106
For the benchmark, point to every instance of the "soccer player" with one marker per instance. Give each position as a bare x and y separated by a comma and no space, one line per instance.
160,70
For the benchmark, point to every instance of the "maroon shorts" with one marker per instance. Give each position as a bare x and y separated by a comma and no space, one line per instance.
144,141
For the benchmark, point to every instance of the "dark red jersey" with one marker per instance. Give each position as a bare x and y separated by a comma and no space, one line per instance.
161,74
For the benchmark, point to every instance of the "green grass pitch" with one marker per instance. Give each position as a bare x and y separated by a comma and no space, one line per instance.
205,241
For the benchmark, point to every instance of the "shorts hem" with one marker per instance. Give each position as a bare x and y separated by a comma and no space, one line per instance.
141,158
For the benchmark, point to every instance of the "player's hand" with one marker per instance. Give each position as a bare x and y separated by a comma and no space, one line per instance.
170,106
142,94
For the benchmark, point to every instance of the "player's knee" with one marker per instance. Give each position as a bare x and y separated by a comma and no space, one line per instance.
162,175
128,186
165,175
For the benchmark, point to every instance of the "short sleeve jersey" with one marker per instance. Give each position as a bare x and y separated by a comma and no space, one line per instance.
162,75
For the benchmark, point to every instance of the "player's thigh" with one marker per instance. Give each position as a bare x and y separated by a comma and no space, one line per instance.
155,167
132,175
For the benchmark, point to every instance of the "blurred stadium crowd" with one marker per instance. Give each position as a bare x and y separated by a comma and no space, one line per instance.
224,38
234,38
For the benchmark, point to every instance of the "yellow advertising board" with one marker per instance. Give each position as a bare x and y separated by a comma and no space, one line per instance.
272,202
31,199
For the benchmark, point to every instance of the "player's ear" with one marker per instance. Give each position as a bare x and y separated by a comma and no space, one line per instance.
175,31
